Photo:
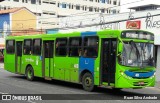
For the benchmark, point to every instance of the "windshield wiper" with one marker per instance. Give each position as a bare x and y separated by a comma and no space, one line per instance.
137,51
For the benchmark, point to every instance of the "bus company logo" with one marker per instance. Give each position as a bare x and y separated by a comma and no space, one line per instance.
6,97
133,24
136,75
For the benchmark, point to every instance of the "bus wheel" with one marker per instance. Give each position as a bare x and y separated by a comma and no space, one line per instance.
87,82
29,73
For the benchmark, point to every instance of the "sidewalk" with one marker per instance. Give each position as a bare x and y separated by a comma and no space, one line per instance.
1,65
157,84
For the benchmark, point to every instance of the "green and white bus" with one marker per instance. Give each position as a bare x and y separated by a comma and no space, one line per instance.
107,58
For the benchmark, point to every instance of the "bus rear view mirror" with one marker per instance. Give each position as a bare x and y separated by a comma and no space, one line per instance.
120,47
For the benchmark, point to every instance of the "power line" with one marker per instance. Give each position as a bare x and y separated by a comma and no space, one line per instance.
97,24
88,25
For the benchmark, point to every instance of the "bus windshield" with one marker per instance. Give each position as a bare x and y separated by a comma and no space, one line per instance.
137,54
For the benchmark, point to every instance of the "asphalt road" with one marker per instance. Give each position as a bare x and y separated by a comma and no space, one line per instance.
17,84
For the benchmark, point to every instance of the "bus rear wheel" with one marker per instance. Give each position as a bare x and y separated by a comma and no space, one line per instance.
30,73
88,82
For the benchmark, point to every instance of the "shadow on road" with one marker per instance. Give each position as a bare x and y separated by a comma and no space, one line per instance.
104,91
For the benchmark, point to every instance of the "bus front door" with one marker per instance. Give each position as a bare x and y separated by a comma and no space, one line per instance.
18,59
47,63
108,60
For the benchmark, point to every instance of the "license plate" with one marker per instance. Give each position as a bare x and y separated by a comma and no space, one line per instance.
141,83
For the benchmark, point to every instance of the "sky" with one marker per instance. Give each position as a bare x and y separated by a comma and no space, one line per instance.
136,3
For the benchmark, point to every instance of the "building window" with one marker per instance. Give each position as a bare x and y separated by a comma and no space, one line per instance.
61,47
84,7
96,9
77,7
53,2
114,11
107,1
69,5
90,8
10,46
37,46
27,47
33,1
45,13
63,5
38,14
109,11
119,3
51,13
5,8
58,4
103,1
102,10
72,6
16,0
39,2
25,1
60,16
114,2
75,46
90,48
97,1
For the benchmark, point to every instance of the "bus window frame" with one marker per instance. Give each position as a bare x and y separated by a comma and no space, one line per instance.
13,46
83,47
57,55
79,47
30,46
33,40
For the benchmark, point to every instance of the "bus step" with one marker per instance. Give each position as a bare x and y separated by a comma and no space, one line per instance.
48,78
105,86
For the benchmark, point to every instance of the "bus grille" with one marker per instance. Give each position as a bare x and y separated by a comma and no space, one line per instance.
140,84
140,77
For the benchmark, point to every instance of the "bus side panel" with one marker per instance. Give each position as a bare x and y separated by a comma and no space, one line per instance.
74,69
97,72
60,65
87,64
9,62
37,65
66,68
25,61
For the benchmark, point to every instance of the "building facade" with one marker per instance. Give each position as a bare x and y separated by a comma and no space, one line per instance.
16,21
48,11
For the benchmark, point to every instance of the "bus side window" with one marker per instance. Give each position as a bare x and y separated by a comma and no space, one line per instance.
27,47
61,47
37,46
10,46
75,46
90,48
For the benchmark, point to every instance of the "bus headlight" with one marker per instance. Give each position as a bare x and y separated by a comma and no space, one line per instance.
153,76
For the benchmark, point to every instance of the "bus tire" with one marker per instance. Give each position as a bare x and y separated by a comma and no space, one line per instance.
88,82
30,73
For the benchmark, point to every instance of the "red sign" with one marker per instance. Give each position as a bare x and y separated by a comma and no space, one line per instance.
133,24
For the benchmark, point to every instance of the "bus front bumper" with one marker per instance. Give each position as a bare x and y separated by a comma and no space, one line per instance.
125,81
